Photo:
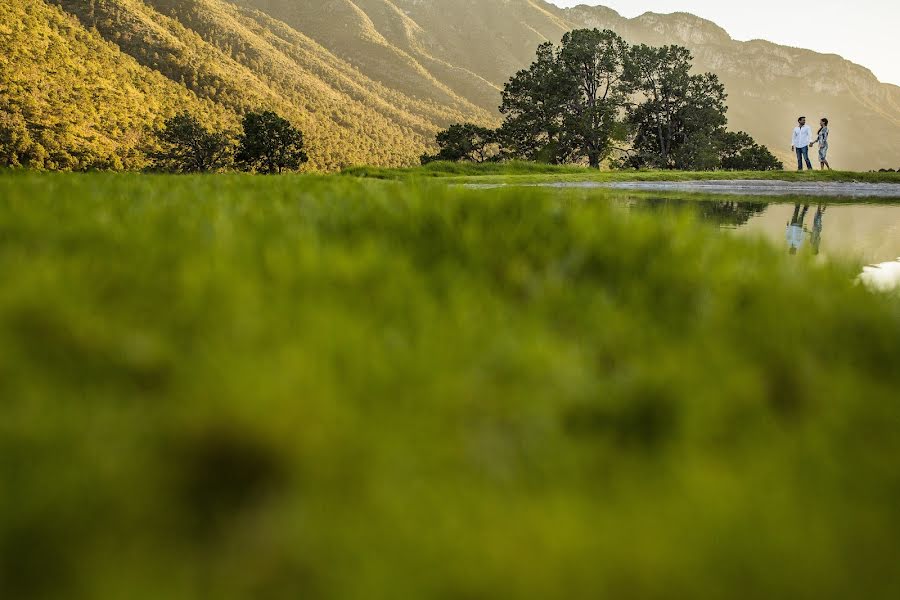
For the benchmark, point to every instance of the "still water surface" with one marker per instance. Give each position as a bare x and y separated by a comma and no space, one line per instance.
869,233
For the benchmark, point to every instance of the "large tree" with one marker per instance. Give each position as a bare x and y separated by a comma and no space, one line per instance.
534,102
566,106
594,62
677,115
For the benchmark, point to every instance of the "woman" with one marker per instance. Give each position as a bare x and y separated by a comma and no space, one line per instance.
823,144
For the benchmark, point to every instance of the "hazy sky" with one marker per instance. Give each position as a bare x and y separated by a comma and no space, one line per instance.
864,31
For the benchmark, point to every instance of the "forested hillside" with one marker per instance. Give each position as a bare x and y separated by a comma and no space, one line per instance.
66,60
70,100
84,82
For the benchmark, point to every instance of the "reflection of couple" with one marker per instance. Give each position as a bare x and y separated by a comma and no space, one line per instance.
802,141
796,233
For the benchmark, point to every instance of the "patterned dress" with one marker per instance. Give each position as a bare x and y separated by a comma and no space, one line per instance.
823,144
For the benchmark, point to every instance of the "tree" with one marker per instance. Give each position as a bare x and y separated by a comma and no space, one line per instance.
534,102
188,147
594,61
677,116
700,151
567,105
270,144
739,152
465,142
596,95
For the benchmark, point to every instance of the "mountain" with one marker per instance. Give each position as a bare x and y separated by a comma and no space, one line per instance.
63,62
369,81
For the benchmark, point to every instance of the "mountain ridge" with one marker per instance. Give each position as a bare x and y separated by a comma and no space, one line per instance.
372,81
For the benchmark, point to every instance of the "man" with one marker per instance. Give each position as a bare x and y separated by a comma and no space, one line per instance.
801,142
795,233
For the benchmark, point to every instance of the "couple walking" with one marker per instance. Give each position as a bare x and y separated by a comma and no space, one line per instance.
803,141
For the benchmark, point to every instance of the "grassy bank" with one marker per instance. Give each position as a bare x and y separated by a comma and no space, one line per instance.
524,172
243,387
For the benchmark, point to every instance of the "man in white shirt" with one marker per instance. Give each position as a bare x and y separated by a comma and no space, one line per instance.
801,142
795,233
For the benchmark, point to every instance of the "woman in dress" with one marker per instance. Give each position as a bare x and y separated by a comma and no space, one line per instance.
822,140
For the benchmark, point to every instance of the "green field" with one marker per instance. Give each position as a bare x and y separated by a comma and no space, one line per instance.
529,172
239,387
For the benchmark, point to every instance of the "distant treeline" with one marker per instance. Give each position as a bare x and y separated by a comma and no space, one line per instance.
597,99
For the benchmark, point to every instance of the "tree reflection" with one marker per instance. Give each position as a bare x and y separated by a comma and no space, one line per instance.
731,214
722,213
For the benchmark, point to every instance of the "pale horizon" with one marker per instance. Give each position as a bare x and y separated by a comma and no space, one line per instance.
864,33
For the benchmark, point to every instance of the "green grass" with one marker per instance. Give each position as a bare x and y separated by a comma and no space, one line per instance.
525,172
242,387
457,169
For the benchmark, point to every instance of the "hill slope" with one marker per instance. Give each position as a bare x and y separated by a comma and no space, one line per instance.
369,81
229,59
69,99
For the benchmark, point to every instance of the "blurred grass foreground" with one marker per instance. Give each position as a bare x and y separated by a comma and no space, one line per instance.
277,388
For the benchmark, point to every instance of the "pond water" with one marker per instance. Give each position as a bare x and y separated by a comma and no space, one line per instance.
869,233
818,220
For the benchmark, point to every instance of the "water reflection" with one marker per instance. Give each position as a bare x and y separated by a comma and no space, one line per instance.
795,232
818,224
728,214
869,233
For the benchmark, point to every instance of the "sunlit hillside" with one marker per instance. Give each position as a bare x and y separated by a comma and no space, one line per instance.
206,56
69,98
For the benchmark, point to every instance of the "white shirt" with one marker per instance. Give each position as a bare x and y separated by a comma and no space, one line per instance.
802,137
795,236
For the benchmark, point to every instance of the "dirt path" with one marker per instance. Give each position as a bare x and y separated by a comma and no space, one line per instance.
751,188
728,187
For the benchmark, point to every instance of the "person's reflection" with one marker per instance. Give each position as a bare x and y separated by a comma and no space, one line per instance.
795,234
816,237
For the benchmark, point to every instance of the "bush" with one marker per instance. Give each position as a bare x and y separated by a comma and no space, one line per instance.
741,153
465,142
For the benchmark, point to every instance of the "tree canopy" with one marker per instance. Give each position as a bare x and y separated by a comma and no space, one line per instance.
188,147
270,144
595,98
467,142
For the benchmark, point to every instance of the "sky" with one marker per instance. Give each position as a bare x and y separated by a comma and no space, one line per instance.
864,31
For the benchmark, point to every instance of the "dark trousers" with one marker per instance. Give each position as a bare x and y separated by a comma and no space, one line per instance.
803,154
